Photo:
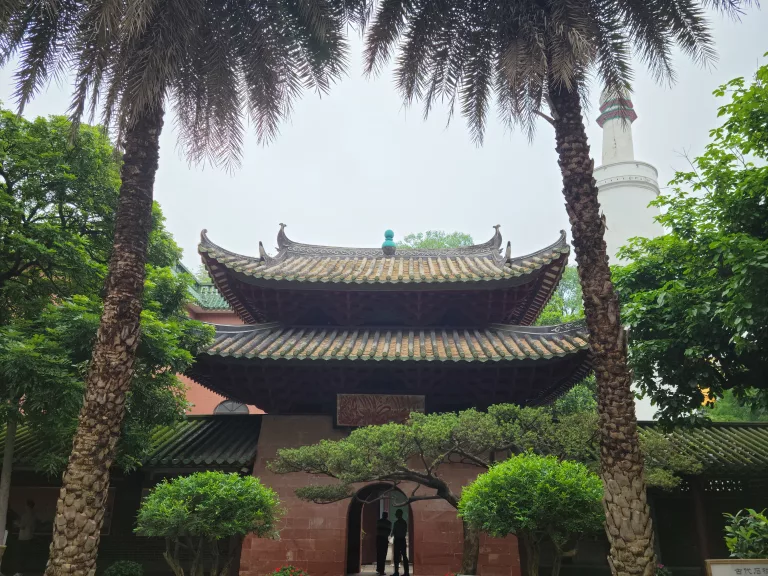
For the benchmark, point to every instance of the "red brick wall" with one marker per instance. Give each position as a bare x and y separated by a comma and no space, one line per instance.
314,536
438,535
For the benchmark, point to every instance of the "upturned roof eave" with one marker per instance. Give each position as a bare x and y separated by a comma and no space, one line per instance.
477,268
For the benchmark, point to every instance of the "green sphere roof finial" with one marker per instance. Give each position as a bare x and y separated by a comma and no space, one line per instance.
389,245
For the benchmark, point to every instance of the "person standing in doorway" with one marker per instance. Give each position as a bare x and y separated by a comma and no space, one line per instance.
383,528
27,524
400,534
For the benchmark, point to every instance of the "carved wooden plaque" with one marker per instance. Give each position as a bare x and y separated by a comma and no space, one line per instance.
368,409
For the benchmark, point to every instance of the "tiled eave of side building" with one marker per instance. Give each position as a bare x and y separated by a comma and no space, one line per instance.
311,267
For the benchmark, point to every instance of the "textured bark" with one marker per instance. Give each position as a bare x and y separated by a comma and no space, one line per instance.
471,551
628,518
532,554
83,496
5,475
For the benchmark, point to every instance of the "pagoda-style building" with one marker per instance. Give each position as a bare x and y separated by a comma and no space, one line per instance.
335,338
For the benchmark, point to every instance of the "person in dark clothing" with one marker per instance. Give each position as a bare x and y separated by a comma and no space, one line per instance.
400,533
383,528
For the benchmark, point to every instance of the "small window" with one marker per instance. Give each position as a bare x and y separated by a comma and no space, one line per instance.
231,407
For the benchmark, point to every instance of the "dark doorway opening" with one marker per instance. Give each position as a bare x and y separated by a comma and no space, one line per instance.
364,510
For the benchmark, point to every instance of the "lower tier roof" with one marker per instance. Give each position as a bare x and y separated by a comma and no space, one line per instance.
301,369
496,342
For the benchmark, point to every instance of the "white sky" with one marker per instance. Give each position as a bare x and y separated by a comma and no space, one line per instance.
354,163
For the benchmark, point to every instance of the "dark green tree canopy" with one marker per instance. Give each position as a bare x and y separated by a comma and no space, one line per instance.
695,298
57,208
56,225
57,204
43,361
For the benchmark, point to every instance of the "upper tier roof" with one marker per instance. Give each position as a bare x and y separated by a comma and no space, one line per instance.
370,267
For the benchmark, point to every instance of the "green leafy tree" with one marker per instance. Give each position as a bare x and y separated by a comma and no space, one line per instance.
416,452
582,398
57,207
746,534
56,226
524,55
540,499
217,64
42,362
566,304
695,298
435,239
204,517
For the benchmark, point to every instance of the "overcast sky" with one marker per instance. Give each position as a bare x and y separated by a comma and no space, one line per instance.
355,162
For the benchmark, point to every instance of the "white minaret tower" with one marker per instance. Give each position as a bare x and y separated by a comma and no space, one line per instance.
626,186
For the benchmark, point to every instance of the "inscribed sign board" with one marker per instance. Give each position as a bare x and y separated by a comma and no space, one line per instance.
734,567
370,409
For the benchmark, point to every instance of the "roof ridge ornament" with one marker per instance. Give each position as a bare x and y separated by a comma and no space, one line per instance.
282,239
263,256
388,246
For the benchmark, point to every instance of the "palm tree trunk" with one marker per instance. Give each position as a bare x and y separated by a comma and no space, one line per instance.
628,519
471,551
83,496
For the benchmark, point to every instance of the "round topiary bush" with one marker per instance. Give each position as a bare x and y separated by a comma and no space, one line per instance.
195,513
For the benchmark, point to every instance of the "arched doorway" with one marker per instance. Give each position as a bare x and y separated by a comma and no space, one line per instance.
364,510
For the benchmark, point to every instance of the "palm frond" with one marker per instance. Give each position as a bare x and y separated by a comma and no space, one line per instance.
387,26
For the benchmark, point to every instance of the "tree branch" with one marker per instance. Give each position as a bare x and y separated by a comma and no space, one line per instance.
547,118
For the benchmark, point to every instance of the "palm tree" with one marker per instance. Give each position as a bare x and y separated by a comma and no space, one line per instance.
526,53
214,62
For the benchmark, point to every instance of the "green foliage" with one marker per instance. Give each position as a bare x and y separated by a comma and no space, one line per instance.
200,512
44,360
211,505
538,498
378,453
746,534
731,409
57,205
664,462
582,398
434,239
566,304
695,298
57,211
289,571
662,570
124,568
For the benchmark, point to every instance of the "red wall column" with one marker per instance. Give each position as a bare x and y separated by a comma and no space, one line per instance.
313,537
